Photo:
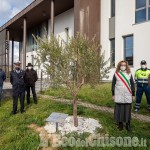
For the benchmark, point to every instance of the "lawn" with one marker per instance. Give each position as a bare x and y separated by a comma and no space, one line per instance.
99,95
15,134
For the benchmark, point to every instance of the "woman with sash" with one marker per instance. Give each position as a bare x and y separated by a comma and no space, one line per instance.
123,92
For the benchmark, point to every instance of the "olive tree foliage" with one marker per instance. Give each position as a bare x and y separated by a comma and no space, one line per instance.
72,64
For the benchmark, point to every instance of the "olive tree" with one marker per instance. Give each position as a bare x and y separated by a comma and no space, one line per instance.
72,64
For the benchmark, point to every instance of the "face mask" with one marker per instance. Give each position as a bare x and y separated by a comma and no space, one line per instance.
143,66
123,68
30,68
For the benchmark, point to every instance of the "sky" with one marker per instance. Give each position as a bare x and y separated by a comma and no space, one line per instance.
8,9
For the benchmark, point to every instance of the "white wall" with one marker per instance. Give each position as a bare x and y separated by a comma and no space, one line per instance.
105,14
62,21
105,42
125,25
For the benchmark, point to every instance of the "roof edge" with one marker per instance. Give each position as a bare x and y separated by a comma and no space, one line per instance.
21,14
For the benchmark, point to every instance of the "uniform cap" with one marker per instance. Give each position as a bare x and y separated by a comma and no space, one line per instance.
143,62
18,63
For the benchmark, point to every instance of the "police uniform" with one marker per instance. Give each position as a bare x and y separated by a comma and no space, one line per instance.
17,81
141,78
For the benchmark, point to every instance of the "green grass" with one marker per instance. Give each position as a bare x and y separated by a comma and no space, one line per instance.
99,95
15,134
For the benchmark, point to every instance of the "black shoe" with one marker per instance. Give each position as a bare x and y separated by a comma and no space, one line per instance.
23,111
128,128
13,113
120,126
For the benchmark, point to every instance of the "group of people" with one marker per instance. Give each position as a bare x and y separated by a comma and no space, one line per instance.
123,91
22,82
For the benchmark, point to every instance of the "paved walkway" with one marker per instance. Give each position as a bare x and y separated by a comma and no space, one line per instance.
7,85
140,117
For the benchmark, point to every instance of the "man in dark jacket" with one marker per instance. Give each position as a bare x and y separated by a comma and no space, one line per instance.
30,79
17,81
2,78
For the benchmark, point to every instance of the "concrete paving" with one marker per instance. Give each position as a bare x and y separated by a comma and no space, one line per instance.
7,89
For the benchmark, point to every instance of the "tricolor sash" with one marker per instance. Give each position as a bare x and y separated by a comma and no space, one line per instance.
124,80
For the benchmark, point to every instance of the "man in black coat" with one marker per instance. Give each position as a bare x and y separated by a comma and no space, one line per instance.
2,78
30,79
17,81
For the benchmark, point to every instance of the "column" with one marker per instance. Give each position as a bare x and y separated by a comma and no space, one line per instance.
52,16
8,38
24,44
12,59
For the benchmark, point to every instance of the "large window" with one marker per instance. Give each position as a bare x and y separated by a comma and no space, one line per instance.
142,12
112,52
40,31
128,49
112,8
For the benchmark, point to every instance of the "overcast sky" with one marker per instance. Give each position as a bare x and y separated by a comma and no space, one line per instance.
9,8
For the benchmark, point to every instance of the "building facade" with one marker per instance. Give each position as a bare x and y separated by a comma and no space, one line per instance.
120,26
125,33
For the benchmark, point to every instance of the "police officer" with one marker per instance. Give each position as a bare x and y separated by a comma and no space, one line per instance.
141,78
17,81
2,78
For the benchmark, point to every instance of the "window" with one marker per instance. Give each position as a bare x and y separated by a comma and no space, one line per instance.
40,31
149,10
142,12
67,34
128,49
112,8
112,52
140,3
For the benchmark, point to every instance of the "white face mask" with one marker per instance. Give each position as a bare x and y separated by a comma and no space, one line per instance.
30,68
143,66
123,68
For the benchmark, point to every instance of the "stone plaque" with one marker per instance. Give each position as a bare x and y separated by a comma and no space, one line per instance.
57,117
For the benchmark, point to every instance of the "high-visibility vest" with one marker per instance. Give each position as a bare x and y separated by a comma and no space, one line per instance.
141,75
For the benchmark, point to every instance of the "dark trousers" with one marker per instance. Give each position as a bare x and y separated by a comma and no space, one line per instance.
141,88
1,90
33,93
20,96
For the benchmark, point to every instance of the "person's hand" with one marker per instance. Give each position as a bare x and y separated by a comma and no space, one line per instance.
133,98
113,98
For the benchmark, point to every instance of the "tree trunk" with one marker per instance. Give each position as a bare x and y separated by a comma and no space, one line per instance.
75,111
